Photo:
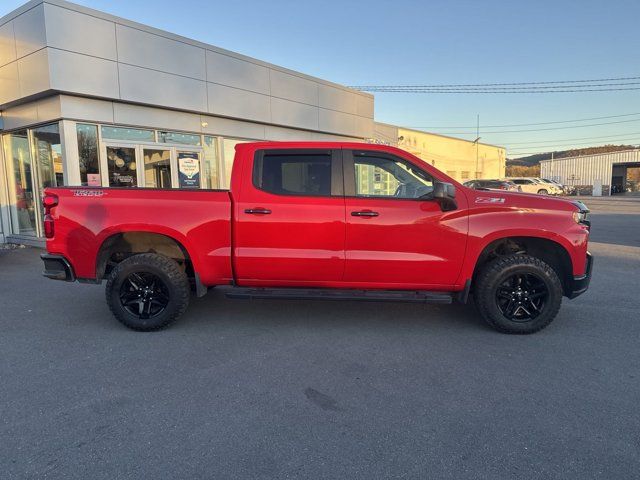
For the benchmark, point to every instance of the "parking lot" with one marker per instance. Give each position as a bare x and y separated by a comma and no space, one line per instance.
276,389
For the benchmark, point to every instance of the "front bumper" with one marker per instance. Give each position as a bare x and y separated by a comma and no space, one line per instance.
57,267
580,283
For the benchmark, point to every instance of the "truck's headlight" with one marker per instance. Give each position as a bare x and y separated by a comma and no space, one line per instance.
580,217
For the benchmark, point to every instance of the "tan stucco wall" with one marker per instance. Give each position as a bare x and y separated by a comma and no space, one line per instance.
456,157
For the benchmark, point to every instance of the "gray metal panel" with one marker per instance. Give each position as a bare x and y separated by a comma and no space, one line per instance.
128,114
9,86
282,134
363,127
285,112
77,73
156,88
364,105
20,116
338,122
144,49
235,72
30,31
88,109
291,87
337,99
7,44
80,33
232,128
233,102
33,73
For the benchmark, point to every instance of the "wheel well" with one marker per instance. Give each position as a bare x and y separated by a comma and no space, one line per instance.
123,245
550,252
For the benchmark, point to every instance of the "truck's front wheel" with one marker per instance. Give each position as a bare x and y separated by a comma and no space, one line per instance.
518,294
147,291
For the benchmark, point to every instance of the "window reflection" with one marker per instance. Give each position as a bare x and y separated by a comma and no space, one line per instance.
88,155
48,150
229,152
121,164
22,201
210,176
157,168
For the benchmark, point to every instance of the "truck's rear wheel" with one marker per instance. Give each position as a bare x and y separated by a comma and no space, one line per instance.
518,294
147,291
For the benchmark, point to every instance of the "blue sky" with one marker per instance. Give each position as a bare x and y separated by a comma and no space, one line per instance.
432,42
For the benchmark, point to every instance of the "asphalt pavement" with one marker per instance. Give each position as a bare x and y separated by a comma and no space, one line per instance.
323,390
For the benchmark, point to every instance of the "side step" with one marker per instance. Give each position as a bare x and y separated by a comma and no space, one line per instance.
416,296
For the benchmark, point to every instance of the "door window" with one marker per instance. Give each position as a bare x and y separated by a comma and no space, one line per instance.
293,174
382,176
157,168
121,166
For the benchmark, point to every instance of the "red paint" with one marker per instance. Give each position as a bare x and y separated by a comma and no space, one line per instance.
313,241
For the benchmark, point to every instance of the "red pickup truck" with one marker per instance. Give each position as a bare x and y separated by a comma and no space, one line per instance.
322,221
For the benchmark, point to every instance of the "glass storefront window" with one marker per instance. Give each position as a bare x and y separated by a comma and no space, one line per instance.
229,152
121,165
179,138
157,168
210,177
131,134
22,198
48,151
88,154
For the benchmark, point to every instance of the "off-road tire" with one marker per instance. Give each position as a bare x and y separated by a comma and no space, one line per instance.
168,271
496,272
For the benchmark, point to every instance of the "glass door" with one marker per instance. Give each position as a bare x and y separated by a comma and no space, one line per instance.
122,167
22,197
157,167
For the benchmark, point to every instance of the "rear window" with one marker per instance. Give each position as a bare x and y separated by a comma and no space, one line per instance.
293,174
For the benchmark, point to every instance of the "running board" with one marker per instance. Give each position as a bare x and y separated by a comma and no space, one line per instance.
415,296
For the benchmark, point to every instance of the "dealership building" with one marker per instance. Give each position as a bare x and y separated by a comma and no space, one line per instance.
90,99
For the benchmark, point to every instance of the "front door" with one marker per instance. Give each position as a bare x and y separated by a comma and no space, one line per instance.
289,219
397,236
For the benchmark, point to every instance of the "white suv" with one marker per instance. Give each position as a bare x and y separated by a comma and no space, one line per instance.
536,185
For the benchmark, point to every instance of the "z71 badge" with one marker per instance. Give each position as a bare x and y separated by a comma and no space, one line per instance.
88,193
490,200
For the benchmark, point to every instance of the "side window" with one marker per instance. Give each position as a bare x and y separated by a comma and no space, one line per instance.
293,174
382,176
518,181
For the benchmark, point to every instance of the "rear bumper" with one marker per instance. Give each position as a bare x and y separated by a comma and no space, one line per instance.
580,283
57,267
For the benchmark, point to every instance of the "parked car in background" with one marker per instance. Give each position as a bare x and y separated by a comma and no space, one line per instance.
536,185
564,188
493,185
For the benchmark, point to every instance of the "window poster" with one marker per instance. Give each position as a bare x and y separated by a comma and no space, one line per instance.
189,169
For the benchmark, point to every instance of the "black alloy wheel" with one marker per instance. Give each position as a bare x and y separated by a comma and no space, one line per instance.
517,293
144,295
147,291
522,297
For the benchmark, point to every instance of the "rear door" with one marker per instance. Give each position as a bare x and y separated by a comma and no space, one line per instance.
397,236
290,219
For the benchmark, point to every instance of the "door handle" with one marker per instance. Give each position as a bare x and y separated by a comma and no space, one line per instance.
364,213
257,211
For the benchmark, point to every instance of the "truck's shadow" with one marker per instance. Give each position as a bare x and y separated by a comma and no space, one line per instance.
215,310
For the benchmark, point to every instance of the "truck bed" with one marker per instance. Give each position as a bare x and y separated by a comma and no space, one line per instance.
86,217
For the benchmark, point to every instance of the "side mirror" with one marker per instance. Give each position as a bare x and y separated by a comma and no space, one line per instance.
445,193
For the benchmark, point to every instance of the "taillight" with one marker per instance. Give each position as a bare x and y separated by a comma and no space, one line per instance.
49,201
49,229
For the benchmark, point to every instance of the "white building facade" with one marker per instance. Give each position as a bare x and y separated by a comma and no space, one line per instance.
87,98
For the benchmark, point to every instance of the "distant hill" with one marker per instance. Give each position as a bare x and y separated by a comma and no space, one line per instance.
534,160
